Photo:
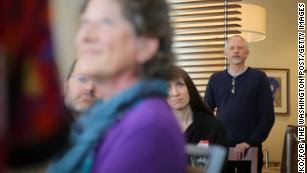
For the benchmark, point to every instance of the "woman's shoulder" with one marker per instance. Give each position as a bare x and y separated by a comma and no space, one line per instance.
149,117
151,106
151,111
210,129
209,119
143,124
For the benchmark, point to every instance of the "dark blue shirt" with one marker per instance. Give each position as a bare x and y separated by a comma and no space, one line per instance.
244,105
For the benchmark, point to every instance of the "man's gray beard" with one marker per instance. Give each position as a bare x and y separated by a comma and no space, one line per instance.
73,111
235,61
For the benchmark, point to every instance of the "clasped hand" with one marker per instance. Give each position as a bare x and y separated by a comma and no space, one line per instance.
240,150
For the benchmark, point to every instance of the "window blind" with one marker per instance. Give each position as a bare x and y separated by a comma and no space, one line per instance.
201,29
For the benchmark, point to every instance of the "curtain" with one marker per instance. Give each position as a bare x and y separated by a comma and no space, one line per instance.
35,112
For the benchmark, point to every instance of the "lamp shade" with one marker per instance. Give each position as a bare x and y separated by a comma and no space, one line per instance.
252,22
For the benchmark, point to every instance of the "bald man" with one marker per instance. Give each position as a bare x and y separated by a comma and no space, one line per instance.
244,103
82,86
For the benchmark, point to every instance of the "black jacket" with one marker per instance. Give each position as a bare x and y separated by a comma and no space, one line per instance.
206,127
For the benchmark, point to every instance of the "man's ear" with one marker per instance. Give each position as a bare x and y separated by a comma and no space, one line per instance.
148,46
247,52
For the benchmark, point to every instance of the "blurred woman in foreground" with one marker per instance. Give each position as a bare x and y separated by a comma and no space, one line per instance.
132,129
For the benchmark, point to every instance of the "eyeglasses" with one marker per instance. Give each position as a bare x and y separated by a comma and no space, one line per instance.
84,79
233,82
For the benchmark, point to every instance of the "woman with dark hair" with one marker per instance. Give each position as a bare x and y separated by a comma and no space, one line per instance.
195,118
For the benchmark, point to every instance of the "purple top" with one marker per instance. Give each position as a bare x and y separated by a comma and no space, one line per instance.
146,140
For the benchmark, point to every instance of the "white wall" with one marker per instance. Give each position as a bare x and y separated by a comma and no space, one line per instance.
64,25
278,50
